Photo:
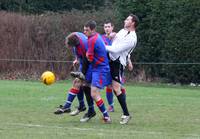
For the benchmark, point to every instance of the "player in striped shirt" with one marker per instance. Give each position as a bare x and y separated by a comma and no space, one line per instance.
97,56
107,38
78,41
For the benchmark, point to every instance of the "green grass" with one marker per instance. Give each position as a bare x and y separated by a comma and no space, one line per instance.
159,112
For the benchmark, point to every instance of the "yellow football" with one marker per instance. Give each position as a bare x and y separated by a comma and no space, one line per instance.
48,77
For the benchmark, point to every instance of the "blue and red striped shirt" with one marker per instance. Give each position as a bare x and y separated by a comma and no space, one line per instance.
106,40
97,53
81,49
83,46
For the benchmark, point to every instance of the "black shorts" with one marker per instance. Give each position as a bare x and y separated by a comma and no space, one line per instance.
116,69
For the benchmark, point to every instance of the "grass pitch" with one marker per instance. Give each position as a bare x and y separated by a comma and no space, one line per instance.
159,112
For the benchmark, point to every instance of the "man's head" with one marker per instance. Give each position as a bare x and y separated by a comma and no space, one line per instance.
90,28
131,22
72,40
108,27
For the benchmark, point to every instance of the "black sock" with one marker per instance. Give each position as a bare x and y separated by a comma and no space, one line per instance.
90,102
122,101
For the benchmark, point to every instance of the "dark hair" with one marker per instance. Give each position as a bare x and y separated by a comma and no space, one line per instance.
135,19
109,21
91,24
72,40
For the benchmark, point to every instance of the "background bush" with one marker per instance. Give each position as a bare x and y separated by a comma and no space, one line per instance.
40,37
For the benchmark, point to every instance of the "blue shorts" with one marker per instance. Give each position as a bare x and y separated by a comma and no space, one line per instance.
101,79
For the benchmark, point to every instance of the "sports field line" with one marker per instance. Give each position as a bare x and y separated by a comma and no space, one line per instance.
110,131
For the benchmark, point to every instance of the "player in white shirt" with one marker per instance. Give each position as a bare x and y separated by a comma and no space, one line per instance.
122,46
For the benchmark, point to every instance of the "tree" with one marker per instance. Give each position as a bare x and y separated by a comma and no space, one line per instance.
40,6
168,32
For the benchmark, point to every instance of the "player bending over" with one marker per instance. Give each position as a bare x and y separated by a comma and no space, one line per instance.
78,41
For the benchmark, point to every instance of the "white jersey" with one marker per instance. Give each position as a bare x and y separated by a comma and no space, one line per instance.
122,45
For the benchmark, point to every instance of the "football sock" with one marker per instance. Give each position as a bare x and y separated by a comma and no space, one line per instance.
70,97
122,101
80,97
124,91
90,102
109,96
102,108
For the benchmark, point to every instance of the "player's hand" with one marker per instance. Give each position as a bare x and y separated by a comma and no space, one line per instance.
75,62
112,35
130,66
